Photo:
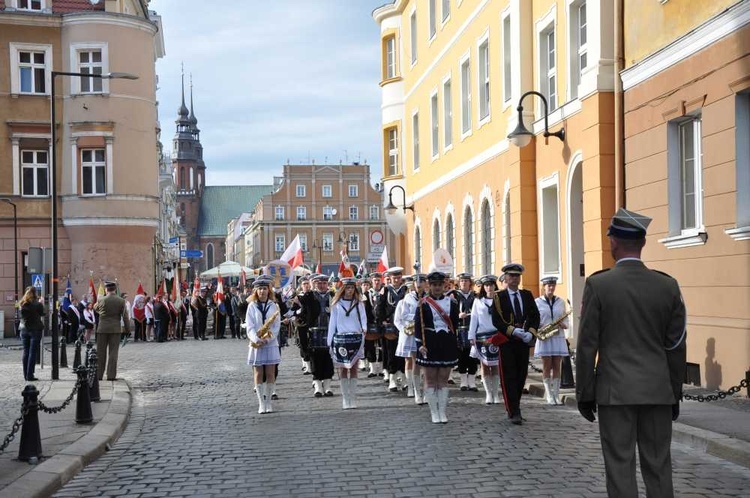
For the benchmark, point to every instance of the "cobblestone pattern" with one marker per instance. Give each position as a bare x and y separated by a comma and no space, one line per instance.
195,431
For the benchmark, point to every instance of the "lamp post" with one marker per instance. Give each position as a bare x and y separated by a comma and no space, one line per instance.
15,259
53,178
319,246
521,136
391,208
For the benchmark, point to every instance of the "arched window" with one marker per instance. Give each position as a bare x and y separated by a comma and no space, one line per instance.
182,178
468,240
507,233
435,235
209,255
450,241
487,238
191,182
418,245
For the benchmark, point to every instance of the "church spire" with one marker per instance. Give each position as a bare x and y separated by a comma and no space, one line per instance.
183,111
193,119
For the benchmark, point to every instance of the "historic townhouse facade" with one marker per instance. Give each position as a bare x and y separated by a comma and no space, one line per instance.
686,113
106,150
453,73
329,207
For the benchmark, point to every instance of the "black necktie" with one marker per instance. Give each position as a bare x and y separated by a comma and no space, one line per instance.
517,308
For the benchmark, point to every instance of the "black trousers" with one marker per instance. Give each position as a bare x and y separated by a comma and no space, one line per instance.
371,350
202,323
395,363
321,363
466,364
304,343
514,366
232,325
139,331
221,324
181,326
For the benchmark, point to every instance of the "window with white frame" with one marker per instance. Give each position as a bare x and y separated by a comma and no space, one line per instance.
578,44
374,212
353,190
303,242
353,213
484,79
279,242
548,70
392,140
742,158
488,236
327,213
32,71
354,242
447,114
279,213
301,213
550,228
685,176
418,243
435,235
507,60
433,18
450,239
466,96
33,5
446,9
435,126
327,242
90,62
415,139
390,57
507,232
413,28
34,173
301,191
93,172
327,191
468,240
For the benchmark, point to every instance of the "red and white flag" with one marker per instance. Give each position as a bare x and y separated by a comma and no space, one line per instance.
162,292
139,304
345,269
293,254
243,278
219,294
383,261
319,268
196,286
92,291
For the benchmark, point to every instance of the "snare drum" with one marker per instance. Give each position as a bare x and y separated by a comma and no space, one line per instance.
488,353
391,332
462,337
318,338
373,333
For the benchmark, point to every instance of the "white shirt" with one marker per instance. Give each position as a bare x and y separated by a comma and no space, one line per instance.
445,305
254,321
405,311
149,310
481,317
547,316
512,295
340,323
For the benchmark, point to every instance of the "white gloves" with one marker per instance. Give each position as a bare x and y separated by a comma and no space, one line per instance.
523,335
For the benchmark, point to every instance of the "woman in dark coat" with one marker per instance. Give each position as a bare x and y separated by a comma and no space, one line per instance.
31,328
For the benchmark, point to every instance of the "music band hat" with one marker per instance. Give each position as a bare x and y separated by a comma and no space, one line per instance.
262,282
110,285
304,278
436,276
513,269
628,225
349,281
318,277
394,270
549,280
376,274
487,279
334,279
501,278
464,276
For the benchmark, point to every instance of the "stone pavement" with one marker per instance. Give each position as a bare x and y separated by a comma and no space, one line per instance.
194,431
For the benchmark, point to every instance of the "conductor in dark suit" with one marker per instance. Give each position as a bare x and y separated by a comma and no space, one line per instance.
519,317
633,319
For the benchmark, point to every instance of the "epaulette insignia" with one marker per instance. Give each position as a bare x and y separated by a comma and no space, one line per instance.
600,271
663,273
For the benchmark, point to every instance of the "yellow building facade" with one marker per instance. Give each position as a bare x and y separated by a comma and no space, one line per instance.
453,73
687,147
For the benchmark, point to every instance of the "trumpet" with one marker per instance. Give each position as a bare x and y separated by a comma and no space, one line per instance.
409,328
264,332
551,329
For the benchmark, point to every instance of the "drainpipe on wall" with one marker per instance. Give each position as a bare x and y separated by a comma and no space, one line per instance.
619,111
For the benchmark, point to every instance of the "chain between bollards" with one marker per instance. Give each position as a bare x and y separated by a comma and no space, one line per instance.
17,423
719,394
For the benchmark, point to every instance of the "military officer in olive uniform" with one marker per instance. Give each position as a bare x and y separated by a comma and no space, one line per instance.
111,310
633,320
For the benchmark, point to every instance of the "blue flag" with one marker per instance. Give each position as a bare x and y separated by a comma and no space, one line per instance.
68,295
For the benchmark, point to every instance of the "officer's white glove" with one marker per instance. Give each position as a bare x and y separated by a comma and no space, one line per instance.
526,337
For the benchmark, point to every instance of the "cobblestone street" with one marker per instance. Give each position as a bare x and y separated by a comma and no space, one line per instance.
195,431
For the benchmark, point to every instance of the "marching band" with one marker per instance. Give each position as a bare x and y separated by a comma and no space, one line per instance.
412,331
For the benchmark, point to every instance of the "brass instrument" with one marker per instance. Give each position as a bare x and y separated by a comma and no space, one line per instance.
264,332
409,328
551,329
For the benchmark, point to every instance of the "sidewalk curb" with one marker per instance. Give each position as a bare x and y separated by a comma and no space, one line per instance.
52,474
719,445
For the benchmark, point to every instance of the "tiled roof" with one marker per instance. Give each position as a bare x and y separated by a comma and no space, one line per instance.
68,6
220,204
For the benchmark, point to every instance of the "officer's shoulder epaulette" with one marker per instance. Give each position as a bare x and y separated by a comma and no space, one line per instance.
663,273
600,271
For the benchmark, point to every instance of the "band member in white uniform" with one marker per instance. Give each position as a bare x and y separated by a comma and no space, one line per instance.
552,350
346,337
403,319
435,331
264,352
481,328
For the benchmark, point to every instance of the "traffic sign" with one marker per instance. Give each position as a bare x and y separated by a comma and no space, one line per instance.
174,240
376,237
191,253
37,280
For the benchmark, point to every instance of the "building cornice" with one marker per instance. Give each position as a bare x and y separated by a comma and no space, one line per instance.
109,18
17,18
113,221
684,47
396,7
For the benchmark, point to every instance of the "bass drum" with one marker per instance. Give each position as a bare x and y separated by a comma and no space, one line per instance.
373,333
318,338
391,332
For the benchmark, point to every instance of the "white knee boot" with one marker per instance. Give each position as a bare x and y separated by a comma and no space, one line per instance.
260,390
496,390
318,386
487,383
472,380
442,404
464,382
269,396
418,392
431,397
555,386
345,393
409,383
392,386
327,387
353,393
548,391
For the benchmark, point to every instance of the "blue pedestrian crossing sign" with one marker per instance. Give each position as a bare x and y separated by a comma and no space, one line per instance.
37,280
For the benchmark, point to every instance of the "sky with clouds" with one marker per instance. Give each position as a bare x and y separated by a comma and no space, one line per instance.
273,81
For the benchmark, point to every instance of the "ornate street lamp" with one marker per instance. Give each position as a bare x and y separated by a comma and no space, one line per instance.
392,208
521,136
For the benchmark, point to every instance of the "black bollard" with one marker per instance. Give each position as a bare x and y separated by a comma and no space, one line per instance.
63,353
83,401
31,439
89,345
77,356
94,387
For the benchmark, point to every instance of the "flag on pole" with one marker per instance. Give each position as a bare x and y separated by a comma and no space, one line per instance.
67,297
383,261
319,268
293,254
345,269
100,291
92,291
162,292
196,286
139,304
219,294
362,268
243,278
